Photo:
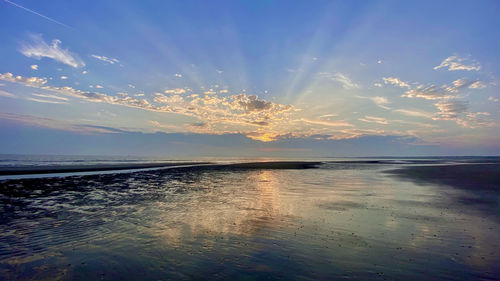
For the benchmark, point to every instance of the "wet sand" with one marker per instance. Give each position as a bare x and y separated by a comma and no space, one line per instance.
253,221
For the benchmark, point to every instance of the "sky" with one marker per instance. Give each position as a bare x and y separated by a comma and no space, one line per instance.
250,78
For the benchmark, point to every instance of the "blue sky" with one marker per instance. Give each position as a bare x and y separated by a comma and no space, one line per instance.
257,76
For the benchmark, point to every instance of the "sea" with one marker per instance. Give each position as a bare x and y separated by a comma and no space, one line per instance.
348,218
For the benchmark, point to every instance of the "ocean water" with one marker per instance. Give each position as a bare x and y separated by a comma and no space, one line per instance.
344,220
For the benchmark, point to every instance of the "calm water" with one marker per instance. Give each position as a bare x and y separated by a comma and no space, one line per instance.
341,220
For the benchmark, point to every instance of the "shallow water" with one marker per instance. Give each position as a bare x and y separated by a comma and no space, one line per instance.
342,220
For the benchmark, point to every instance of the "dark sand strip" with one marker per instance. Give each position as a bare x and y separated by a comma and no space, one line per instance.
88,168
466,176
96,168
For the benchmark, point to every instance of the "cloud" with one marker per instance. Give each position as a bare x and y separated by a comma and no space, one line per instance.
45,101
373,119
105,59
377,85
477,85
99,86
493,99
345,81
338,123
131,86
429,93
84,72
64,77
464,83
29,81
50,97
7,94
395,81
38,49
450,109
175,91
31,120
178,75
34,67
228,114
381,102
414,113
456,63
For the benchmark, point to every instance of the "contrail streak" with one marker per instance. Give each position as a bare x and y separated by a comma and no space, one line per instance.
38,14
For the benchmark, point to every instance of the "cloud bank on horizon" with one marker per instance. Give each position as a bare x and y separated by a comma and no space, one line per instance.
334,73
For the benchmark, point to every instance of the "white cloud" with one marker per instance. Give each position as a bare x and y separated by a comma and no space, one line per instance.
373,119
395,81
105,59
84,72
328,123
493,99
345,81
377,85
29,81
175,91
34,67
477,85
38,49
64,77
99,86
131,86
381,102
456,63
178,75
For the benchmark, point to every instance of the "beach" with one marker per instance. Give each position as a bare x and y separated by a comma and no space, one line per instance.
429,219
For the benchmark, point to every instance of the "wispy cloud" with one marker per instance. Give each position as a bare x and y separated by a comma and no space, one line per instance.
7,94
38,49
456,63
373,119
414,113
429,93
34,67
50,97
345,81
36,13
493,99
381,102
44,101
395,81
35,121
105,59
